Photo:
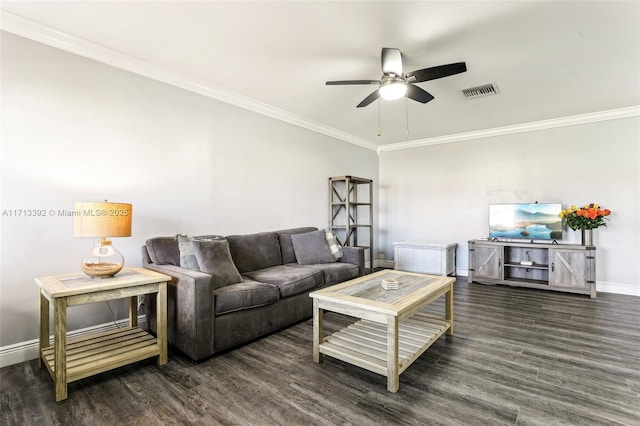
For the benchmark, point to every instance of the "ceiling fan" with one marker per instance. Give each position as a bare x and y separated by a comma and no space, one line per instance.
395,84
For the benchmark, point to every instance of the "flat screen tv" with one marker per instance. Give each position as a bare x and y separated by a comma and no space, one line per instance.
530,221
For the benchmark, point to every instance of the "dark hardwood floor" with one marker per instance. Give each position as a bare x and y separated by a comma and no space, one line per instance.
518,356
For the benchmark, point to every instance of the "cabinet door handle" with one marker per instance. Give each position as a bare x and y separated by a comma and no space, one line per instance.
499,263
552,266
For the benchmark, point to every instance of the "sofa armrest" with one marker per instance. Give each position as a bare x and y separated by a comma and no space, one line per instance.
146,259
355,256
190,310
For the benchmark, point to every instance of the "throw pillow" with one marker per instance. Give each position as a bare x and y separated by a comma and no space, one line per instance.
334,246
214,258
312,247
187,250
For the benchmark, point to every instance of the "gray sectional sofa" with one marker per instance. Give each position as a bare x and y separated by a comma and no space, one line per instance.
233,289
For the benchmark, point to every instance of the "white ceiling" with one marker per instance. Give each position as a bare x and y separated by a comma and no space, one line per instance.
549,59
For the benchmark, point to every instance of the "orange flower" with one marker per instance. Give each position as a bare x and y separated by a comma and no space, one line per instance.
589,216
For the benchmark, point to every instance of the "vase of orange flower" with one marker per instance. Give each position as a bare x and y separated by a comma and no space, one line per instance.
585,218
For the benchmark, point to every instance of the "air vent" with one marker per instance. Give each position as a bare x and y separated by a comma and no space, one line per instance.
484,90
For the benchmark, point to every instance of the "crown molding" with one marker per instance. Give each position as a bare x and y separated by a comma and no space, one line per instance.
26,28
614,114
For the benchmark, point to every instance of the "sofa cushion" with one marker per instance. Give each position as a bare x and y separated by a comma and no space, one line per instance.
255,251
245,295
334,273
213,257
311,248
187,249
286,246
163,250
290,281
334,246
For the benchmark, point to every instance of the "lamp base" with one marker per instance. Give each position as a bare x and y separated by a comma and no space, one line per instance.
104,261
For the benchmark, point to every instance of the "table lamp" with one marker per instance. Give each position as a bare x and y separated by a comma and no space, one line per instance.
102,220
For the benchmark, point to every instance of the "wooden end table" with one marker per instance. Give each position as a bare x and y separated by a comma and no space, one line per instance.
81,357
391,334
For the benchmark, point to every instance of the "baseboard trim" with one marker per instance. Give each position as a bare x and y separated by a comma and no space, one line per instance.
618,288
26,351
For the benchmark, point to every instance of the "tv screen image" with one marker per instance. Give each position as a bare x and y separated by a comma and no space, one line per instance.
531,221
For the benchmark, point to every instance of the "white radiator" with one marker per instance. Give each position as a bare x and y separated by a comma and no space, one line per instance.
425,257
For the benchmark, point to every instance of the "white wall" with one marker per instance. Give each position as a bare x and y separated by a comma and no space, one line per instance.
78,130
442,192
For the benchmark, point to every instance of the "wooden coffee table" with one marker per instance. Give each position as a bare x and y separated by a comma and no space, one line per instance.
391,333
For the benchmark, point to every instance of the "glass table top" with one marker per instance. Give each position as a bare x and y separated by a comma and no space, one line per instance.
371,289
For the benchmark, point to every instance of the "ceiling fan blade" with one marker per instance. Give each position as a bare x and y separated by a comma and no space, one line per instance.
418,94
436,72
344,82
372,97
391,61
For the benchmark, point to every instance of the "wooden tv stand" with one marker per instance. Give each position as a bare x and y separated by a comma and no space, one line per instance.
561,267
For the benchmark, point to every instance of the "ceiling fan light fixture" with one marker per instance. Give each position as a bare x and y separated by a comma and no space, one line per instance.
393,89
395,83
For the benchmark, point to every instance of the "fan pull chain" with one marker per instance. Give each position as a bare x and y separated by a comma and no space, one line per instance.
406,105
379,129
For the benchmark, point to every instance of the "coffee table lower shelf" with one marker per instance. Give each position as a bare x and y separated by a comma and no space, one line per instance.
364,343
99,352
